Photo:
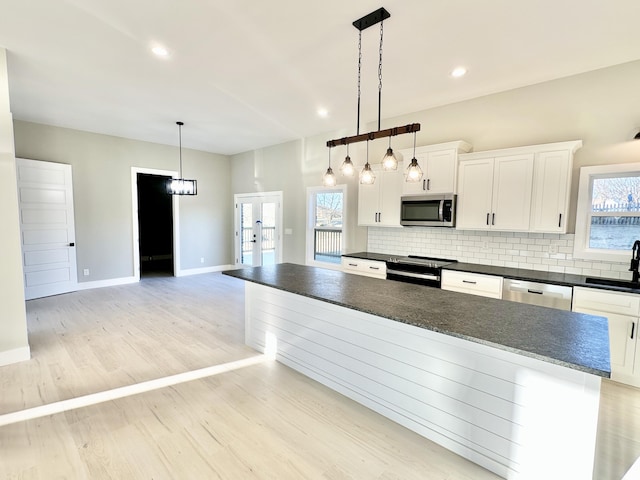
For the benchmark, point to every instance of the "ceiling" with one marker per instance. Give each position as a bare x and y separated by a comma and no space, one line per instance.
245,74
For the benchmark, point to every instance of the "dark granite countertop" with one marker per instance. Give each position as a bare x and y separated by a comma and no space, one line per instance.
566,279
573,340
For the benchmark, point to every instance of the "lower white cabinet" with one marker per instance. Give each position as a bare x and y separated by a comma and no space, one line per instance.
473,283
368,268
623,312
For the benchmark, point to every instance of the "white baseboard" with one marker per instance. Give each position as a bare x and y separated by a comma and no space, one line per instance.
112,282
198,271
15,355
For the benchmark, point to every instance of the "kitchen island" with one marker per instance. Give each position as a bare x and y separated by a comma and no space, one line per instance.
512,387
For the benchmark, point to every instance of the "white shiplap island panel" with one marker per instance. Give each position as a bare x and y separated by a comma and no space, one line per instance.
516,416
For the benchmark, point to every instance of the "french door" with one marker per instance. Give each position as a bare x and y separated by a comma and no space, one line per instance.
258,229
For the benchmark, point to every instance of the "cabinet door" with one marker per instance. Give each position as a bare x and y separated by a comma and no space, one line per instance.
440,171
368,202
551,176
621,342
390,193
512,183
475,183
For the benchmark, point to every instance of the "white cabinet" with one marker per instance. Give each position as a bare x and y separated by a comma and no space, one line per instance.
473,283
439,164
495,193
516,189
622,310
551,186
368,268
379,204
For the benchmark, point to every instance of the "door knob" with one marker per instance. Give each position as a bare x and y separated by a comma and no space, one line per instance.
72,244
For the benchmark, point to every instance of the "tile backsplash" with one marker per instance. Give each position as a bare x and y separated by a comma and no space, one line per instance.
549,252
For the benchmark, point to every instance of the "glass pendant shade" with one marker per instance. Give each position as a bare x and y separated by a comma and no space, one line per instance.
367,176
414,172
329,179
347,169
389,161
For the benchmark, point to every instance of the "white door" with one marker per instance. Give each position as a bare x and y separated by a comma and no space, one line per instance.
45,196
258,232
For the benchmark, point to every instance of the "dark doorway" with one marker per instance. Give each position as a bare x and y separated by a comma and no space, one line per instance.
155,226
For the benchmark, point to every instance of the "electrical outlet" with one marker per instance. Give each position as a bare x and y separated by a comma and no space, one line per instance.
201,259
553,249
485,245
85,272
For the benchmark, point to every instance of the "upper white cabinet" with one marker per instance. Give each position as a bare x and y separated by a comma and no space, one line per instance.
439,163
495,193
379,204
516,189
551,186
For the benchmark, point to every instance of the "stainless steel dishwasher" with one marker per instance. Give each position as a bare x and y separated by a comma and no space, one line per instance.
543,294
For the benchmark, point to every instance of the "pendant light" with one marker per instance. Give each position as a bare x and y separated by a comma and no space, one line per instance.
414,172
389,161
347,167
329,179
367,177
182,186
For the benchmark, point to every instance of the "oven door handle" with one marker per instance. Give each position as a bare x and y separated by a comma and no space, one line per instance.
422,276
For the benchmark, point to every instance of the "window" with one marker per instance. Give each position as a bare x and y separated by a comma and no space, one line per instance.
325,225
608,215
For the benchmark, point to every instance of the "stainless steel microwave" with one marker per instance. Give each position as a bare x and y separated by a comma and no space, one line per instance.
428,210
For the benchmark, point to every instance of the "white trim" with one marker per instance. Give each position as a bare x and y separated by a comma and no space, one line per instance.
134,216
15,355
198,271
311,204
111,282
581,243
572,146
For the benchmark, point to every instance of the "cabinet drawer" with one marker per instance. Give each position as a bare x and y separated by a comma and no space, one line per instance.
369,268
606,301
473,283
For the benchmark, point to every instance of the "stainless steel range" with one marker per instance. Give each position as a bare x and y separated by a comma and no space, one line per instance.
416,269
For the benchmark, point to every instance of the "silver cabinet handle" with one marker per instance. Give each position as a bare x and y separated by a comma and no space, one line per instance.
493,219
559,220
353,264
469,281
374,268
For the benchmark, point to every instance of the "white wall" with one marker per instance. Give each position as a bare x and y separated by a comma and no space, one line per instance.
13,320
102,196
601,108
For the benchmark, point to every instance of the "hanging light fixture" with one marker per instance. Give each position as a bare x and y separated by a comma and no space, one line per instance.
347,167
414,172
367,177
389,161
182,186
373,18
329,179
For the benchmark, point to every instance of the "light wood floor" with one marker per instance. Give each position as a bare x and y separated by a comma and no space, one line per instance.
263,421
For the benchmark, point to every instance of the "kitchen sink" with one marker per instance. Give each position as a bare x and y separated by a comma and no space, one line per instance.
613,283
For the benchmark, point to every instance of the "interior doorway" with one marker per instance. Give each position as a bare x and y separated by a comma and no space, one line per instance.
155,224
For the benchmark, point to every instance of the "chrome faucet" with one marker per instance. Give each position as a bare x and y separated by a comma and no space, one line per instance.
635,261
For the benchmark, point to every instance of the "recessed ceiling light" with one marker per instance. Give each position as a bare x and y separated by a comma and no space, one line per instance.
160,51
458,72
323,112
